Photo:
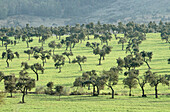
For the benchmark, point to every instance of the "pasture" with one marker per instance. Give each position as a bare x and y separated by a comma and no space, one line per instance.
84,103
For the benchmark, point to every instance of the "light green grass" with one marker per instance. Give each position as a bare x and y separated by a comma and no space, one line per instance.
69,72
46,103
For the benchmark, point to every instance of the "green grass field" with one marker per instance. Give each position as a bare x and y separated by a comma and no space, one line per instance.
41,102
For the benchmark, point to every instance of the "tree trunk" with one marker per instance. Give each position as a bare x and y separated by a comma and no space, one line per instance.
6,47
53,51
59,69
66,48
27,44
89,87
28,56
94,90
43,63
156,92
147,64
7,63
107,42
130,92
98,90
122,46
112,91
39,40
103,58
11,94
70,48
36,74
2,43
42,44
74,44
143,92
100,60
69,59
80,66
59,97
23,96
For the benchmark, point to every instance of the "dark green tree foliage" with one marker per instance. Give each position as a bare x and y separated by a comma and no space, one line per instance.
27,39
81,36
59,61
142,80
130,62
4,39
91,78
10,83
59,90
98,82
44,38
93,45
155,80
49,89
135,39
68,54
53,45
29,52
112,77
147,56
24,83
105,37
78,82
122,41
102,52
70,41
9,56
35,68
8,42
130,81
79,60
42,54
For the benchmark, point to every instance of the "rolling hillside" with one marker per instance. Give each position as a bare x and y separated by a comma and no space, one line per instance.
62,12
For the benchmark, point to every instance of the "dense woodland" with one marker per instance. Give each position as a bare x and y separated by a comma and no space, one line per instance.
133,35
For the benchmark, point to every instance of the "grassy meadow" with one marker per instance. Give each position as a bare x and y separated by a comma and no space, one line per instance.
122,102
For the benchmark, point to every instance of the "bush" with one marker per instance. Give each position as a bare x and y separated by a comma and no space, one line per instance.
40,90
2,95
66,91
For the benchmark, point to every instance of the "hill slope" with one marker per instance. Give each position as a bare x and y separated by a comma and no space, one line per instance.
82,11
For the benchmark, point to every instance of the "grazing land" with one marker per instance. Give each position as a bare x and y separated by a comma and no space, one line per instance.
83,103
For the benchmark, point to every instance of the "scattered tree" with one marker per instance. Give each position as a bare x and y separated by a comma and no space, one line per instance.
79,60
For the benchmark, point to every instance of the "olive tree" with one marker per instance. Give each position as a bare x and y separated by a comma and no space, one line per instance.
102,52
9,56
59,90
24,83
29,52
79,60
59,61
155,80
68,54
10,83
35,68
112,78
